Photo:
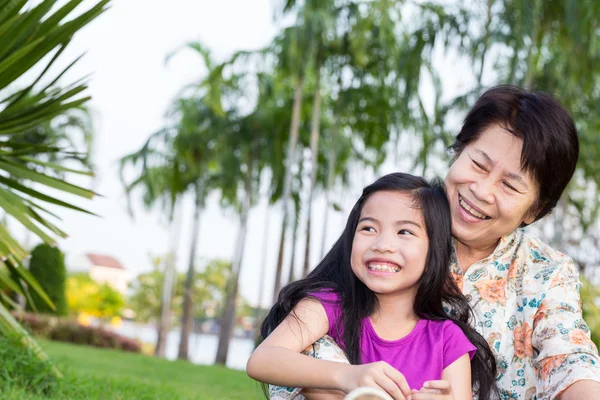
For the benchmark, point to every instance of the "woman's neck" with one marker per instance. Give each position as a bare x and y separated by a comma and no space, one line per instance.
468,255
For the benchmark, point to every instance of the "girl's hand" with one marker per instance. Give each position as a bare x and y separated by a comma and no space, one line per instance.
433,390
379,375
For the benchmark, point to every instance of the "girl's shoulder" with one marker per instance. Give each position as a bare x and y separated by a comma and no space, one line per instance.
444,329
327,295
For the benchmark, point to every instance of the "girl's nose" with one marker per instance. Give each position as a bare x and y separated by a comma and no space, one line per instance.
384,244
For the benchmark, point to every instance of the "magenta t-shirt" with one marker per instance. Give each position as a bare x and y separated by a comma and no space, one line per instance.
420,356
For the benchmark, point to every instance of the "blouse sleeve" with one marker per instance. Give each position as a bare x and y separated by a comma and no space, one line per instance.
456,344
566,354
331,303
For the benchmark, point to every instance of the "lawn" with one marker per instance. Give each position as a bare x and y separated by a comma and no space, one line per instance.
93,373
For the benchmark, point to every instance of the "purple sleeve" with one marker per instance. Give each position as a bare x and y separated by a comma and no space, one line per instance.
456,343
331,303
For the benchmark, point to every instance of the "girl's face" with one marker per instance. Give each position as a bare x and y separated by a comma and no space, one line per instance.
390,244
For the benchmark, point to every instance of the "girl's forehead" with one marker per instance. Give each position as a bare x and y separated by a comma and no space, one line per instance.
391,204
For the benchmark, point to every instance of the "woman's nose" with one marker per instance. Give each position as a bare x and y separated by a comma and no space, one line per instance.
483,190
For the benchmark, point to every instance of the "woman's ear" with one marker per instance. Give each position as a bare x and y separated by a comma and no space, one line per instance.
532,213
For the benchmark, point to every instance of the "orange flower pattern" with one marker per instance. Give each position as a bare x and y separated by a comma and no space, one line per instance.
525,297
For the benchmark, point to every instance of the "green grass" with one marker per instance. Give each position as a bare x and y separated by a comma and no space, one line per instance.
92,373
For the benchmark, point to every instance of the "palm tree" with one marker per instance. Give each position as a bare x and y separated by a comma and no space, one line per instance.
159,182
293,44
34,35
254,142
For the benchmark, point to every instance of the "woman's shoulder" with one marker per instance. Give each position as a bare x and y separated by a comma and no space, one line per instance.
537,252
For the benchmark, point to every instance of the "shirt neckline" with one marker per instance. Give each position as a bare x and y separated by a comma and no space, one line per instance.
504,244
418,327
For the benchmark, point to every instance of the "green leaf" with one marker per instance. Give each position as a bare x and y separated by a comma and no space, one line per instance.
25,173
57,167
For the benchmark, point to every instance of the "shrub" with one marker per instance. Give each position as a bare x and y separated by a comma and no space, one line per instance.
22,369
64,330
47,265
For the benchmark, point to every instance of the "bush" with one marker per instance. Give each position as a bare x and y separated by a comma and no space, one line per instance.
64,330
84,295
20,368
47,265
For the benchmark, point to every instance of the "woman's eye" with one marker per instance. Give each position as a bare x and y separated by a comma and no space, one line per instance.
508,185
480,166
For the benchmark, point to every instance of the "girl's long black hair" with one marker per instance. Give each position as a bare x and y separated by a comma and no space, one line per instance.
436,288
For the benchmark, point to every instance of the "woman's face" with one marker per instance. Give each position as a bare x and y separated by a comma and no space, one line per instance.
490,195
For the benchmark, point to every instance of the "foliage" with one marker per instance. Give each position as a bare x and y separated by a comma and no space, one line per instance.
84,295
208,292
47,266
590,295
34,35
66,330
23,369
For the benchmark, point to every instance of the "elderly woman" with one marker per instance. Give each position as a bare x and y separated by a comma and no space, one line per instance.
513,158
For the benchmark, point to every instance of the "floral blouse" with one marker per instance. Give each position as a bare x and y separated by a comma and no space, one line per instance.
525,298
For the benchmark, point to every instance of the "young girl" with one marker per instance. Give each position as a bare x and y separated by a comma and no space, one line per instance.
380,294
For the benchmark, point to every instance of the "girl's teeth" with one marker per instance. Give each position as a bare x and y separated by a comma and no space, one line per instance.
383,267
471,210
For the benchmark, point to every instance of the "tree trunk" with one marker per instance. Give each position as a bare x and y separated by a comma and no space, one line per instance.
262,277
314,151
186,318
291,275
164,324
331,172
533,51
330,180
287,184
228,318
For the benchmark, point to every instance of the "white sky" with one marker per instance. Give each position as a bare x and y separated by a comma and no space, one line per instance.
131,88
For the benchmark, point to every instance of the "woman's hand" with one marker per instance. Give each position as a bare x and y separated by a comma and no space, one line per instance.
433,390
379,375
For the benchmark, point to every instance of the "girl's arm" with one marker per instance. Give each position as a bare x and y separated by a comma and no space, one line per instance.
455,383
278,361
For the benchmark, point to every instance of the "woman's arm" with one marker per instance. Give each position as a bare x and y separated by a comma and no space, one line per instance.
565,353
585,389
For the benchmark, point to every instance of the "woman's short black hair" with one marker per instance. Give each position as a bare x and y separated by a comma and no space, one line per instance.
550,143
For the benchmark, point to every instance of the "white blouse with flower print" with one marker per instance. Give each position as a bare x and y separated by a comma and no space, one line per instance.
525,297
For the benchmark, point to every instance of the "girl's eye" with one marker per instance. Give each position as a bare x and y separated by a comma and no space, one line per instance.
368,229
405,232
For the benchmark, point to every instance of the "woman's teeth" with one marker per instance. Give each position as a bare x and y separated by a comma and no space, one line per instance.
471,211
383,267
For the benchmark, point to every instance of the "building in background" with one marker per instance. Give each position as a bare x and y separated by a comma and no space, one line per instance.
102,269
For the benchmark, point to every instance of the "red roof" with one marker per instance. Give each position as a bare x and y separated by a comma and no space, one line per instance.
104,261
